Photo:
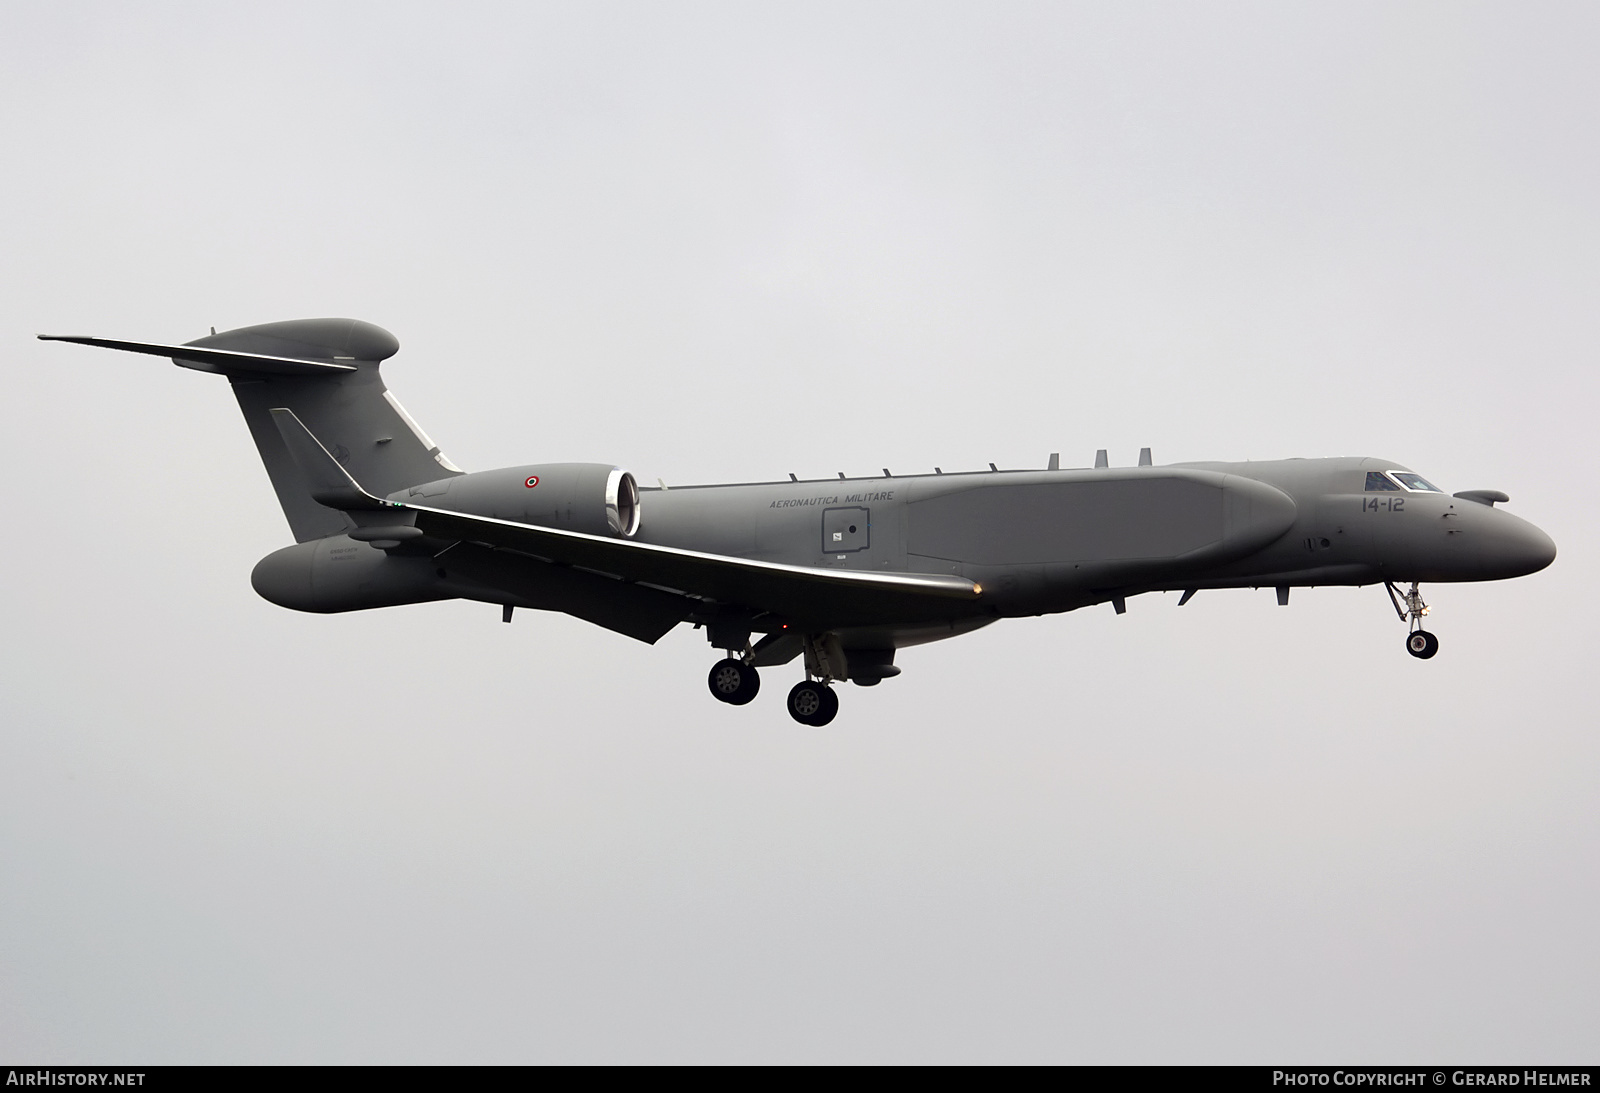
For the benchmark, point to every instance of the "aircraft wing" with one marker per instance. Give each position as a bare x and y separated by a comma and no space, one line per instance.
824,598
807,596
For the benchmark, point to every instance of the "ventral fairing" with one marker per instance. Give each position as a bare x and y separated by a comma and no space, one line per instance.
839,573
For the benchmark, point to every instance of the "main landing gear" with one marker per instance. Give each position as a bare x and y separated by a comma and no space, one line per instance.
1419,643
812,701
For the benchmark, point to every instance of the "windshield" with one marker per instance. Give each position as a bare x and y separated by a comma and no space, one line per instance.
1415,482
1377,480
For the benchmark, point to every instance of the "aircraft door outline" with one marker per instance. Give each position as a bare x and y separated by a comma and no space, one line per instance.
846,530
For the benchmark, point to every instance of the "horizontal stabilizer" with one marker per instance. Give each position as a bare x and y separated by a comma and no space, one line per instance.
225,361
330,483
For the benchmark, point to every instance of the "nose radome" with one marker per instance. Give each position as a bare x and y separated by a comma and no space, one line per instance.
1520,548
1541,549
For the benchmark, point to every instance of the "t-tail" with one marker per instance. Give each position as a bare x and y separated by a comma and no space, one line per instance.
327,372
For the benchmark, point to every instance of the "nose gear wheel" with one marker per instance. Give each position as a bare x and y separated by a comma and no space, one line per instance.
1422,644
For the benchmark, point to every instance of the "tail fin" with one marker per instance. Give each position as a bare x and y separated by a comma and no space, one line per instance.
337,393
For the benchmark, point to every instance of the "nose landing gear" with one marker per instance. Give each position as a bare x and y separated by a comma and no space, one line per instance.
1419,643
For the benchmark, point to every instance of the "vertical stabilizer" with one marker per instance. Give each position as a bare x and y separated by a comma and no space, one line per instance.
352,413
326,371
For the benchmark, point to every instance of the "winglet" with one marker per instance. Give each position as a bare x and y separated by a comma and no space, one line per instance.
330,483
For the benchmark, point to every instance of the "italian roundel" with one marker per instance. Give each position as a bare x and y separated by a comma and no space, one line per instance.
533,480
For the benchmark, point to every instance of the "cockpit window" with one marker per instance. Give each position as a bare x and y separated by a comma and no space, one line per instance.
1377,480
1412,482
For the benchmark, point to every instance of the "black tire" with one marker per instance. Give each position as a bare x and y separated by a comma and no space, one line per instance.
1422,644
812,703
733,681
830,709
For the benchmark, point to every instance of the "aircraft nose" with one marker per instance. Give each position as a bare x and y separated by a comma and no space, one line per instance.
1539,550
1519,548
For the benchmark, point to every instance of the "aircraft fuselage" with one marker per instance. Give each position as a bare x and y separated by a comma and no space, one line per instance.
1046,541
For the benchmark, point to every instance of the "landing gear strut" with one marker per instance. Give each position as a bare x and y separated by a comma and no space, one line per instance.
733,681
1419,643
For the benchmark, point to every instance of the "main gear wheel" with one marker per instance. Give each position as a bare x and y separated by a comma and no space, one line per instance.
813,703
733,681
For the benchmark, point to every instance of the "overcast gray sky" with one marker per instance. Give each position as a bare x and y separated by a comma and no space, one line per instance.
721,242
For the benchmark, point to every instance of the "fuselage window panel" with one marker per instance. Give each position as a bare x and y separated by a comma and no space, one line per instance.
1377,480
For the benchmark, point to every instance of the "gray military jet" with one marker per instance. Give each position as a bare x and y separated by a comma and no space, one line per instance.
840,572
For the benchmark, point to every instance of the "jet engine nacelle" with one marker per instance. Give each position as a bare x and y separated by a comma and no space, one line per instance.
595,498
